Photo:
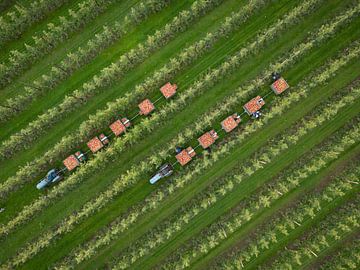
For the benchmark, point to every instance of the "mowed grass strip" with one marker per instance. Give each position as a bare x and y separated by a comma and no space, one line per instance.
26,36
105,77
291,220
109,233
312,182
314,243
163,232
189,94
54,152
105,59
116,71
250,166
116,228
20,60
21,17
76,40
77,59
162,210
252,253
164,251
346,256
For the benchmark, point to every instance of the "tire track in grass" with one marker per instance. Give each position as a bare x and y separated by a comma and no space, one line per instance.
62,244
317,181
282,142
67,182
304,214
20,17
118,186
75,40
22,217
82,228
150,203
114,72
77,59
207,217
29,188
87,130
223,187
334,229
169,148
344,258
32,169
18,61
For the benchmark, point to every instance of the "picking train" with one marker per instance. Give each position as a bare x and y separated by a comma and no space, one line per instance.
183,156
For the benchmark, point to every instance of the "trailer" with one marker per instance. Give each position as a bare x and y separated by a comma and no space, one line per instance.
164,171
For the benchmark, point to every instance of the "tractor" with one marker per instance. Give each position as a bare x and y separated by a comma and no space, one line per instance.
52,176
275,76
164,171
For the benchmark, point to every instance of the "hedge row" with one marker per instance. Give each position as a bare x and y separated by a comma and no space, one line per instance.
102,118
45,42
206,199
78,58
16,21
108,75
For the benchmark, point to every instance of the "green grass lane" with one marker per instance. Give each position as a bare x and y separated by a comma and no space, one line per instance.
209,61
345,257
73,201
243,190
44,15
38,27
72,122
309,240
135,33
83,34
38,221
327,252
111,175
155,217
56,213
202,105
314,182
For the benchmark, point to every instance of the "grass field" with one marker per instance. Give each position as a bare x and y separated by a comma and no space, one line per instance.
277,192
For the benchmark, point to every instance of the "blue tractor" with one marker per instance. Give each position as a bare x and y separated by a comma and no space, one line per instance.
52,176
164,171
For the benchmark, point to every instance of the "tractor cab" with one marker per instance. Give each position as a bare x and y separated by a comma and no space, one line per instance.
275,76
164,171
52,176
256,115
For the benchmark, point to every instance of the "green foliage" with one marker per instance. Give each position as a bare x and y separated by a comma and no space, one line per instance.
78,58
16,21
45,42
